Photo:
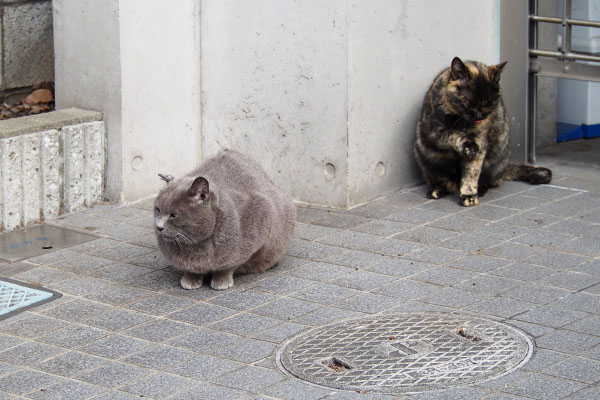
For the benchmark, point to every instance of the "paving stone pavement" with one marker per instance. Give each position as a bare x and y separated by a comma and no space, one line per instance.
527,255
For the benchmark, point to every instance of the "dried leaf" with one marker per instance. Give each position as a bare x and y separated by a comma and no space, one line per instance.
39,96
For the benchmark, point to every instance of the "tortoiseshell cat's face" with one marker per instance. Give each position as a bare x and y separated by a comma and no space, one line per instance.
473,90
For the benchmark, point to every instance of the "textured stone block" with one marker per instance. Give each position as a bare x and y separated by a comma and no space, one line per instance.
28,44
51,167
12,187
31,178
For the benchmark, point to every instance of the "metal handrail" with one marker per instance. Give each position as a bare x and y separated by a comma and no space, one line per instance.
564,56
568,21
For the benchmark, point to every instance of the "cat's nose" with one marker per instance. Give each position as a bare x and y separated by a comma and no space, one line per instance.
160,228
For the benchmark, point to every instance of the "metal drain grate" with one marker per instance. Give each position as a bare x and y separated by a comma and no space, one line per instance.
16,297
400,353
37,240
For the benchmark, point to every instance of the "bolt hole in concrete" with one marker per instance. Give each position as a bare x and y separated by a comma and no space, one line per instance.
330,170
380,169
137,162
405,353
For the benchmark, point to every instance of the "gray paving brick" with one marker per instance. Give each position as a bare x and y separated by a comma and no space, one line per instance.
118,294
369,303
363,280
73,336
287,263
543,359
478,263
160,357
329,218
557,259
592,268
247,350
458,223
513,251
121,272
313,250
145,241
125,231
44,276
245,324
80,286
383,227
589,325
416,216
29,353
122,214
94,245
294,389
70,363
589,393
325,293
281,332
77,310
501,307
500,231
488,284
153,260
115,346
160,304
469,392
400,267
551,316
520,202
201,339
285,308
586,246
325,315
8,270
453,297
576,227
489,212
536,293
448,204
468,243
406,198
205,367
311,231
544,239
81,263
159,330
544,387
375,209
522,271
113,374
202,314
6,342
567,341
319,271
31,326
435,255
6,368
159,386
208,391
117,319
581,302
443,275
121,251
158,280
425,235
25,381
576,369
407,289
533,330
283,284
549,192
242,299
251,379
570,280
532,220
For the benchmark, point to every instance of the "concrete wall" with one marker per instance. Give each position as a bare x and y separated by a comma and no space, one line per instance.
26,51
324,94
140,65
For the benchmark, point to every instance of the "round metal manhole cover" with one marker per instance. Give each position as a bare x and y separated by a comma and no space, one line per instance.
399,353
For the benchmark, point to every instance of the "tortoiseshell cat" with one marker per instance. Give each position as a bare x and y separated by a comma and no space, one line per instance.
223,218
462,135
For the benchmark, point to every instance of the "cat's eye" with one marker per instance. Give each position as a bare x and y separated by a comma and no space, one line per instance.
174,215
157,210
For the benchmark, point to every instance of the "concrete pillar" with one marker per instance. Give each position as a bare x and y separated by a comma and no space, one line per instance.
139,63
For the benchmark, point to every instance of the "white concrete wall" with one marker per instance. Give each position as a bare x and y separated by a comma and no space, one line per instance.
395,49
323,93
139,63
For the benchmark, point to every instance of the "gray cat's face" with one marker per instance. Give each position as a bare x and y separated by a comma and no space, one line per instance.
183,212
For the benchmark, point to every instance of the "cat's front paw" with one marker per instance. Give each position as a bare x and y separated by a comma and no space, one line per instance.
191,281
469,200
221,282
469,150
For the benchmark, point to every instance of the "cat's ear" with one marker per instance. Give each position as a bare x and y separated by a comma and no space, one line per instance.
458,69
199,192
166,178
496,70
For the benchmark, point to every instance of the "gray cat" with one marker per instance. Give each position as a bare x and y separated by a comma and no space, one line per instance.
223,218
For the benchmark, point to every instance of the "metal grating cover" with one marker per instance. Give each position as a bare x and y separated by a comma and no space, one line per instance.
399,353
17,296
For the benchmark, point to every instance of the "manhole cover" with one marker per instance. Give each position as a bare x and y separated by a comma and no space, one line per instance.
398,353
37,240
18,296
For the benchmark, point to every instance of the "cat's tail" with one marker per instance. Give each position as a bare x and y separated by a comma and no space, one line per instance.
527,173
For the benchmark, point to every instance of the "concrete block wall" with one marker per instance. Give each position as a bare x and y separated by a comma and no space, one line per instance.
27,51
47,168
